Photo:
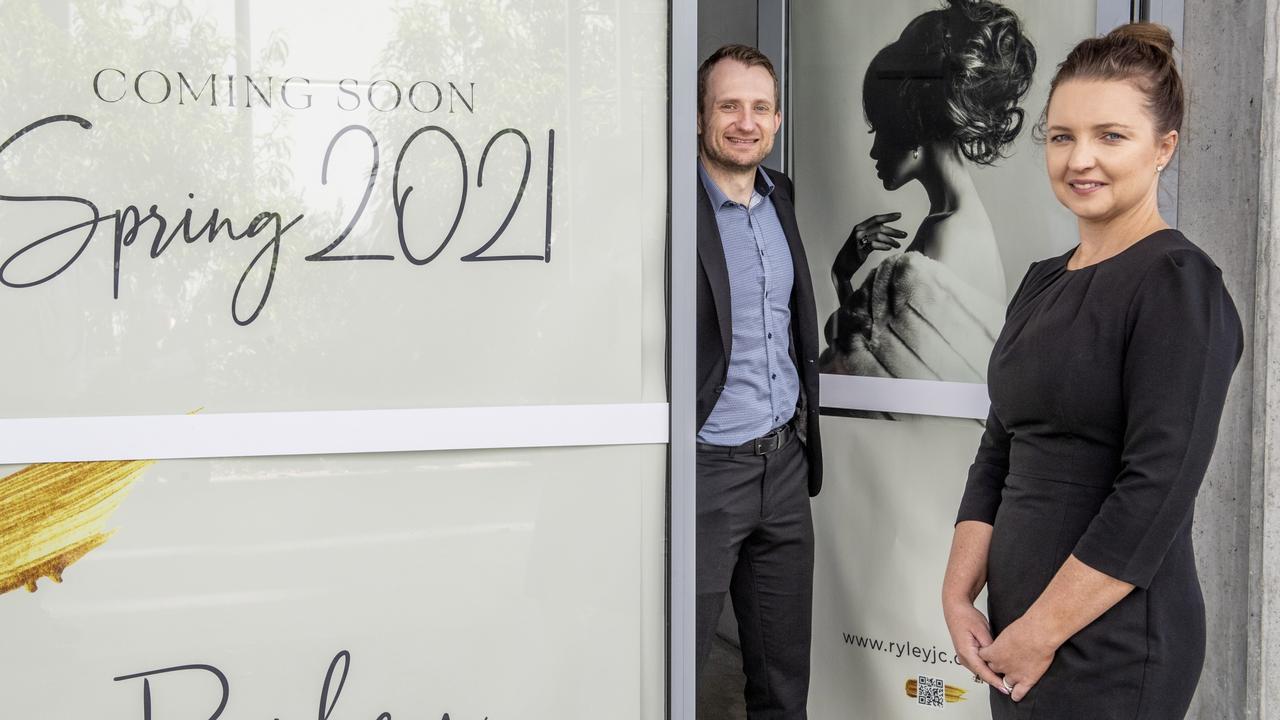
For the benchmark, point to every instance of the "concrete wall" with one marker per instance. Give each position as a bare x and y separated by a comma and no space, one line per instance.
1263,680
1219,208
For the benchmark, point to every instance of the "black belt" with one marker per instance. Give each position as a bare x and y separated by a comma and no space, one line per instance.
772,441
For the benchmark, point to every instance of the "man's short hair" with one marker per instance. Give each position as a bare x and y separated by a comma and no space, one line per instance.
744,54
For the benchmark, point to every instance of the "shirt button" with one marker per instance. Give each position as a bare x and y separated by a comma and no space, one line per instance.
774,376
770,336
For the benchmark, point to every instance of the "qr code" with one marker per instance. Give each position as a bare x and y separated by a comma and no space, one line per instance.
930,692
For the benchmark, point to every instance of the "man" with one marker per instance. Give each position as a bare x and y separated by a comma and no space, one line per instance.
759,459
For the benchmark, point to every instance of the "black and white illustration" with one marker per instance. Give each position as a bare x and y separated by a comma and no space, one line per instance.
920,214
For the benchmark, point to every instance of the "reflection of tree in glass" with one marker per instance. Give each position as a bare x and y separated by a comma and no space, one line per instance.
165,151
536,66
519,77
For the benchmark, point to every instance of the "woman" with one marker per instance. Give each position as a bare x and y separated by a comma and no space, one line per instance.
1107,385
943,95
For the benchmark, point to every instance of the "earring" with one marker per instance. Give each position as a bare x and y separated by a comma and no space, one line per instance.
915,154
1159,169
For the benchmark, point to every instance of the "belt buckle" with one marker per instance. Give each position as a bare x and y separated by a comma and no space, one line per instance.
768,443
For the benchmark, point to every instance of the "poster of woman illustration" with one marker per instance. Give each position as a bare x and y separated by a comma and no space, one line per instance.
941,98
926,222
922,199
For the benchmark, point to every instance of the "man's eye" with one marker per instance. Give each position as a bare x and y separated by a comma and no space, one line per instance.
1112,137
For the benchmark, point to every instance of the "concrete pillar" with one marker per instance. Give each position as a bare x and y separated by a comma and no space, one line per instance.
1263,658
1219,199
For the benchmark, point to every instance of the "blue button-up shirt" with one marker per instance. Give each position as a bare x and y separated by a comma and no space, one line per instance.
762,385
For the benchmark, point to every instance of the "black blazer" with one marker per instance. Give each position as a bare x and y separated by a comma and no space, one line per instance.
715,336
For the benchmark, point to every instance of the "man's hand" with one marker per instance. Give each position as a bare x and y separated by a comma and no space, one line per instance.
1021,654
970,633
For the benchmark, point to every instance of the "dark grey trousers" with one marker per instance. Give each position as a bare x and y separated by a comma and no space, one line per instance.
755,540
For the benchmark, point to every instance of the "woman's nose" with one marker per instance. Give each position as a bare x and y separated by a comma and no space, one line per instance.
1081,157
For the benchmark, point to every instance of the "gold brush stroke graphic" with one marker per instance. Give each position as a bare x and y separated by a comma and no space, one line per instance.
52,514
954,694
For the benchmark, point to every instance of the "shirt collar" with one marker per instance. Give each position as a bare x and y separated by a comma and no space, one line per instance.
764,186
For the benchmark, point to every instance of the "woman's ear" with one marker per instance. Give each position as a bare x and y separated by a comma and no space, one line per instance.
1168,144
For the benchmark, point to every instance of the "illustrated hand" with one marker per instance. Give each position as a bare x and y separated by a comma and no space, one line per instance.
970,633
870,235
1021,654
875,233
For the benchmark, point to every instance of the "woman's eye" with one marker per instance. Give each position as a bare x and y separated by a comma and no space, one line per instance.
1059,138
1112,137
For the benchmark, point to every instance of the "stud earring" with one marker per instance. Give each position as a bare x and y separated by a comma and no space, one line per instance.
915,154
1159,169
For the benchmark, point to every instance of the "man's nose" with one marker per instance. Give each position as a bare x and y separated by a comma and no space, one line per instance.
745,120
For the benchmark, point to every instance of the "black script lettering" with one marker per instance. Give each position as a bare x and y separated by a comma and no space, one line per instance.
98,91
146,686
91,223
323,254
259,223
342,88
284,93
326,704
455,92
130,222
479,255
195,94
137,86
551,168
400,199
414,103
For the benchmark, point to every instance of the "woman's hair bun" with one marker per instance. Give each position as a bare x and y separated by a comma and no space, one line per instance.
1146,33
957,74
1140,53
990,71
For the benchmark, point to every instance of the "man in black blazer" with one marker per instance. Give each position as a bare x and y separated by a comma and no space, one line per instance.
759,456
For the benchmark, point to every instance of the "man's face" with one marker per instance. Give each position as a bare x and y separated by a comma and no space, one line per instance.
739,116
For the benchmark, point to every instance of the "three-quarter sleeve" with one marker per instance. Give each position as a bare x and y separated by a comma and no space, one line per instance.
1183,345
986,475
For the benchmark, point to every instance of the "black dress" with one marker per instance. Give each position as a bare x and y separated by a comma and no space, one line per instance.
1107,385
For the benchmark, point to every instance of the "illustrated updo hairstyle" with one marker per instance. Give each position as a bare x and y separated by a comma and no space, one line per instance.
1140,53
955,74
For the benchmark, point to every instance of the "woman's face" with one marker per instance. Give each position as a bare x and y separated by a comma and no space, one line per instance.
1102,150
897,159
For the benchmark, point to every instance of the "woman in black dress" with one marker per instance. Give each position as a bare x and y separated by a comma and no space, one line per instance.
1107,385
